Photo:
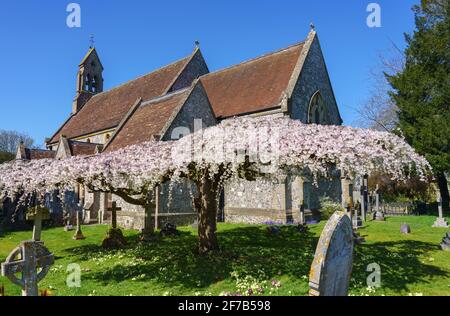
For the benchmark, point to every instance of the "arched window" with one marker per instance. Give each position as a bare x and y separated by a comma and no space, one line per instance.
318,112
88,83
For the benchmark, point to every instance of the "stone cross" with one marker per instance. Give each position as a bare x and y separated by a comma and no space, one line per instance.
440,221
37,214
378,213
332,265
78,233
27,259
113,209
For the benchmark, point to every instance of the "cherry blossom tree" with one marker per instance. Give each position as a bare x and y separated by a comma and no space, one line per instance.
236,148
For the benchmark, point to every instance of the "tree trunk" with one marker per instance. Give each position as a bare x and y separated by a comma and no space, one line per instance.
443,188
207,221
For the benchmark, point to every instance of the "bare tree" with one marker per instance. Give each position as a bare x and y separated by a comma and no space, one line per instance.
10,140
379,112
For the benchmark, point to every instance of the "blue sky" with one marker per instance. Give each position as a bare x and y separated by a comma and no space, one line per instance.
40,54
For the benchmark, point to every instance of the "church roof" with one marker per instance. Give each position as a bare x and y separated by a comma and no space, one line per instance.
36,154
148,120
106,110
252,86
83,148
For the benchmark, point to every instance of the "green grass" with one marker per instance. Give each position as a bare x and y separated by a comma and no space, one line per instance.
410,264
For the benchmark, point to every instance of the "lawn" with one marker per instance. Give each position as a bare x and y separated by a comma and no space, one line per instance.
251,259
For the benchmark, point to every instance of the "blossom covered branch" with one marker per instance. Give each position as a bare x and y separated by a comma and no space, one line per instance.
264,146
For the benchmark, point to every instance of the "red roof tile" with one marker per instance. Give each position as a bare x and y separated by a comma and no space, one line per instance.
35,154
148,120
83,148
252,86
106,110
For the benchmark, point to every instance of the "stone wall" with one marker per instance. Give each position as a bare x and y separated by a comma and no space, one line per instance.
196,68
135,220
196,107
266,200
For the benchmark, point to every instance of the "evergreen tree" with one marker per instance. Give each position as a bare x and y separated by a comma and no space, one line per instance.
421,90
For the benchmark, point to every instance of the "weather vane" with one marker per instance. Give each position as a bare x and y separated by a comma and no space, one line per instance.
91,41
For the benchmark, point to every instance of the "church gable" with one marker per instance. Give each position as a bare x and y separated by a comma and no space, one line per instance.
196,107
195,68
312,98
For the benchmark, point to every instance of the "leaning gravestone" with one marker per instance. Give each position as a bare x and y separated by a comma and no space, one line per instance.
332,265
28,259
405,229
445,244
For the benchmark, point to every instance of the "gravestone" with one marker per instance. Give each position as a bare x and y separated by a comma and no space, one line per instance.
332,265
405,229
356,220
114,238
302,219
31,259
195,224
78,233
440,221
379,216
445,244
169,229
37,214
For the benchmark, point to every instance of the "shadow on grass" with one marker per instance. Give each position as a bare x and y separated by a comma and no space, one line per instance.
401,262
245,251
251,251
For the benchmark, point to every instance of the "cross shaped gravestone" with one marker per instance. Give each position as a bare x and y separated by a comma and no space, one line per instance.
113,209
28,259
378,213
37,214
78,233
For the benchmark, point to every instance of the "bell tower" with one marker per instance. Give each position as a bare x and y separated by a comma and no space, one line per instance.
89,79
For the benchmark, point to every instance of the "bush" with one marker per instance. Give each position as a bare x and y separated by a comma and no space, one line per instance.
328,207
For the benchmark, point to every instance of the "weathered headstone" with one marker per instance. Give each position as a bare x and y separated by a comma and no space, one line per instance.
37,214
379,216
445,244
169,229
405,229
302,219
356,220
195,224
332,265
440,221
28,259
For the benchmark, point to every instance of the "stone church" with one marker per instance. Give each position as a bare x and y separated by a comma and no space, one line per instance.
292,81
